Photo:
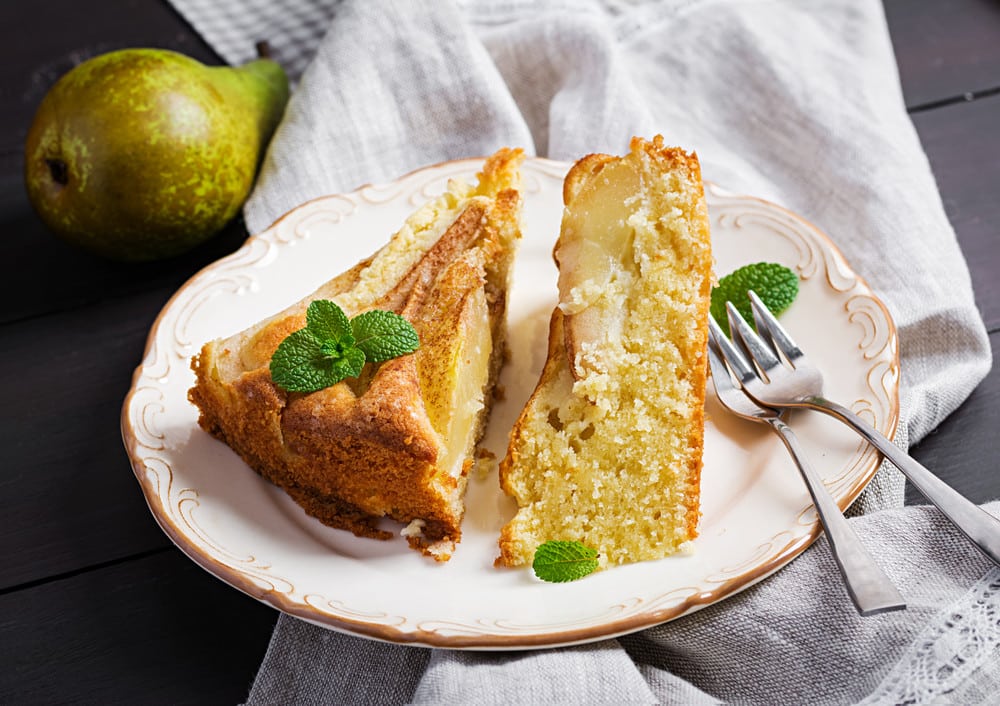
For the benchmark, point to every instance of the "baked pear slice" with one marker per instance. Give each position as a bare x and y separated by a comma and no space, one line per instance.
608,449
595,258
398,441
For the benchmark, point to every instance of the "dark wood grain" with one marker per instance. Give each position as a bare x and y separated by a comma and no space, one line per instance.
95,605
44,40
945,50
962,142
52,276
963,448
157,630
68,492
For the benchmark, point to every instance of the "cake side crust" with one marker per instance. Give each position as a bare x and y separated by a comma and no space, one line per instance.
608,450
366,448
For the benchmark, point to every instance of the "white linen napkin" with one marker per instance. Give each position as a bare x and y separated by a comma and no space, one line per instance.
795,102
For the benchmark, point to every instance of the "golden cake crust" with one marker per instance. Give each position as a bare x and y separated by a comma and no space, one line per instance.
373,447
576,464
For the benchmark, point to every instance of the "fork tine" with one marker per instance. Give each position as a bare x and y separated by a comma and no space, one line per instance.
756,348
768,326
733,356
869,588
720,373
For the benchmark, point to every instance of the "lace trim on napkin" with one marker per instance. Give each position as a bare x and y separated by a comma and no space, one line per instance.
949,650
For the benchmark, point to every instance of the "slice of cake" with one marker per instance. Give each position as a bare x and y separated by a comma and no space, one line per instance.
398,441
608,450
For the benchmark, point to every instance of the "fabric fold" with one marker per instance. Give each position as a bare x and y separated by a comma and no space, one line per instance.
457,677
796,639
327,667
397,87
795,102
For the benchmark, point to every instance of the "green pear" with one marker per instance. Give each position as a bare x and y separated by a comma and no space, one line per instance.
142,154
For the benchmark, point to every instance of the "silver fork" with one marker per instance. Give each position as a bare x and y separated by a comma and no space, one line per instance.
870,589
798,383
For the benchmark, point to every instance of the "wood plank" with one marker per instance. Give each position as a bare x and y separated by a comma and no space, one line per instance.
89,353
160,630
51,275
153,631
73,278
962,450
69,495
64,33
157,629
945,49
70,498
962,143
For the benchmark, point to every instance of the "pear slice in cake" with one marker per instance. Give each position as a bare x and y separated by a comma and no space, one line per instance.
608,449
593,252
398,441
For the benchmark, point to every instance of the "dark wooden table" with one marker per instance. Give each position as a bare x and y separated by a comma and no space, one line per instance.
96,605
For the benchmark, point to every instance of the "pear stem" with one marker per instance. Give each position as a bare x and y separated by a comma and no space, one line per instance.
263,49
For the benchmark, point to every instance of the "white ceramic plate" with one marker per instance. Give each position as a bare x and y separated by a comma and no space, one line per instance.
757,515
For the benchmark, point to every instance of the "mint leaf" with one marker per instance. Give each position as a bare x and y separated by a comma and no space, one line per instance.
776,285
558,561
383,335
305,363
347,366
299,365
332,347
329,322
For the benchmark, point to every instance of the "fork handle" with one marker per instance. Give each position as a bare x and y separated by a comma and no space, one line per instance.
869,587
975,523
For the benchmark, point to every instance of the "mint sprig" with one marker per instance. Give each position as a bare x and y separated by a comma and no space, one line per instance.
332,347
776,285
383,335
558,561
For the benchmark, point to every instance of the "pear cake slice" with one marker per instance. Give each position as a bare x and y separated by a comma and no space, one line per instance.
399,440
608,449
